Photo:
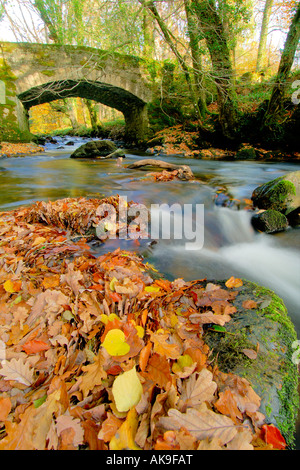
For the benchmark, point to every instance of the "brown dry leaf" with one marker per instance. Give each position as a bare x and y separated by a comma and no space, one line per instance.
5,407
109,427
18,370
94,374
251,353
72,278
226,404
209,317
67,422
49,303
249,304
158,370
163,347
210,444
31,432
241,441
198,388
201,423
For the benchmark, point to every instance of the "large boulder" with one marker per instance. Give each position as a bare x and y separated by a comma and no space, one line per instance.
260,344
281,194
95,149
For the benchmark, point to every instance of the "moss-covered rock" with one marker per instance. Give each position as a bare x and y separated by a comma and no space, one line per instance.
95,149
268,330
270,221
281,194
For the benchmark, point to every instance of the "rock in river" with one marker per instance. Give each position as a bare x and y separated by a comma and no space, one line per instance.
270,221
281,194
95,149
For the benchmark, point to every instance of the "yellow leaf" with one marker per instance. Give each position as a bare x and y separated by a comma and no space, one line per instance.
124,438
39,241
115,343
182,361
127,390
152,289
140,331
106,318
12,286
112,284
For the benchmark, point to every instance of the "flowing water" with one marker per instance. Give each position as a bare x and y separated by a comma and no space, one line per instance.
230,247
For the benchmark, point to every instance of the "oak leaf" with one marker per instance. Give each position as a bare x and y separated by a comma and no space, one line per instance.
66,422
163,347
199,388
95,373
201,423
18,370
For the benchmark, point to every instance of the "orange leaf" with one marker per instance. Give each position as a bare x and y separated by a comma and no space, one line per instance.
5,407
109,427
34,346
233,282
12,286
227,405
249,304
272,435
144,356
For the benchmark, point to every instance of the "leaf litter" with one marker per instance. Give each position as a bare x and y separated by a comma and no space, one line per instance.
98,353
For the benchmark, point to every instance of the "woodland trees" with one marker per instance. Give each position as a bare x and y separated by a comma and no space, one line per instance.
212,42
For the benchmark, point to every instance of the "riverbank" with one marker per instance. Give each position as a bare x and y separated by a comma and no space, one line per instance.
184,141
10,149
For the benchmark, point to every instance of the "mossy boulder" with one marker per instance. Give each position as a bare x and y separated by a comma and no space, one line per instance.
270,221
281,194
95,149
268,331
245,152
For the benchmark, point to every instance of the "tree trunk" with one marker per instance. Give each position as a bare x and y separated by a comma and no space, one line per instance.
168,38
95,122
261,54
148,33
194,38
213,31
277,97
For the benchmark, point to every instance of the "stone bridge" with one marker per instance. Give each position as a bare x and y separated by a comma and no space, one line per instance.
32,74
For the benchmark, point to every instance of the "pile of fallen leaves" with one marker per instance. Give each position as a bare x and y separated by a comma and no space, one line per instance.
177,140
165,175
97,354
9,149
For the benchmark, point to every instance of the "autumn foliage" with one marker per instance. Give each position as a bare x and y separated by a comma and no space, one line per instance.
99,355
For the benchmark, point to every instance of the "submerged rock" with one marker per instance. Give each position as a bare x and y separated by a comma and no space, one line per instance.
270,221
95,149
281,194
264,329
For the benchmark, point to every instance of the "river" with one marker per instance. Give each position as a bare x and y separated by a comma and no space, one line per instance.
231,247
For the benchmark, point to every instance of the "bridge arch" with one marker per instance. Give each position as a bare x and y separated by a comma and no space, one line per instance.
37,73
133,108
